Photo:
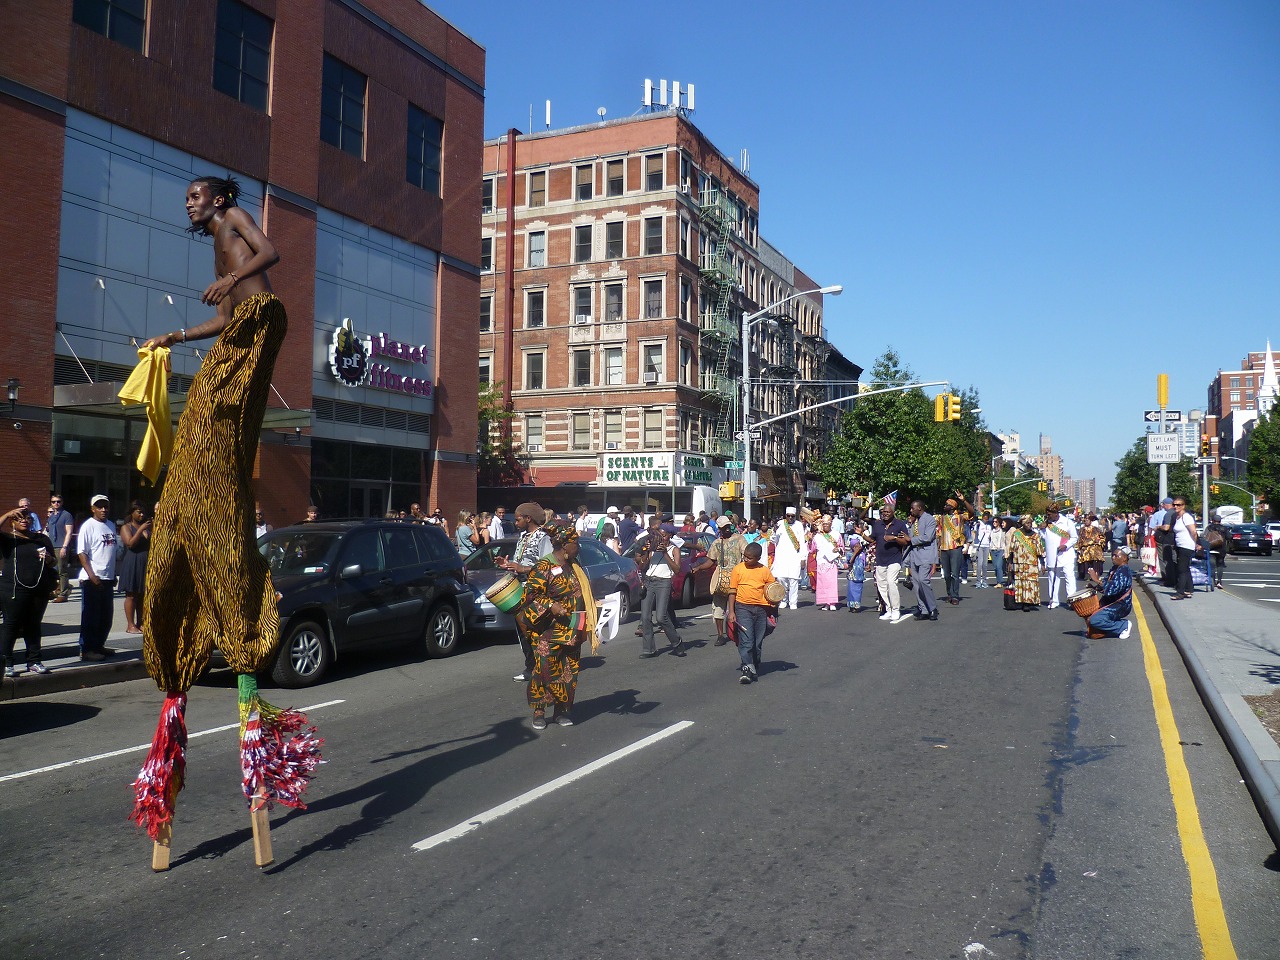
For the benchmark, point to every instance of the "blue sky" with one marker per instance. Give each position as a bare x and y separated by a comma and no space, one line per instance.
1051,202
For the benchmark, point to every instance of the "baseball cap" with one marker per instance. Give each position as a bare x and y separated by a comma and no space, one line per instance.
99,498
612,510
791,511
723,521
1168,500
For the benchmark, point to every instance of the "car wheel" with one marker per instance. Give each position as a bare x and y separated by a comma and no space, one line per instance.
686,599
624,605
442,633
304,655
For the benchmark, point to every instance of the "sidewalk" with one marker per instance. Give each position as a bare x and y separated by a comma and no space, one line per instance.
1232,650
60,652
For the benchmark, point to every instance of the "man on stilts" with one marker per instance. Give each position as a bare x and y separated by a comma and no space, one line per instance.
206,582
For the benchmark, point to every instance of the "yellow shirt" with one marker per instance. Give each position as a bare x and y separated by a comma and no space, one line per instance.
748,583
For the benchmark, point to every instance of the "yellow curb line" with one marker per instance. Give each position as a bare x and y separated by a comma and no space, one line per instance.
1206,899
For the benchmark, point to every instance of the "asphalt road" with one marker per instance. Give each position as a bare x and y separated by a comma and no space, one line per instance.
1253,577
990,785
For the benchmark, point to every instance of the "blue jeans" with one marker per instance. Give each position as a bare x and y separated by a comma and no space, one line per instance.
655,608
97,610
752,621
997,562
1111,620
949,560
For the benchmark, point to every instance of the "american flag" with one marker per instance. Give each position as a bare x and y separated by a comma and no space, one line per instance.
891,500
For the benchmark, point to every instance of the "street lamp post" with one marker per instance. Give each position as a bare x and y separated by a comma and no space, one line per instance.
1235,471
747,323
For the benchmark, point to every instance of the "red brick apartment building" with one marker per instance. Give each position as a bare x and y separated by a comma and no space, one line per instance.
1235,398
619,259
356,130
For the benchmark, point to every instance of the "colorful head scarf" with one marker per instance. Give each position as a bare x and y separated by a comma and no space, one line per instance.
560,533
1026,518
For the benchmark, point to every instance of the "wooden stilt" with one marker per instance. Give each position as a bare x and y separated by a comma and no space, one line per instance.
161,849
261,821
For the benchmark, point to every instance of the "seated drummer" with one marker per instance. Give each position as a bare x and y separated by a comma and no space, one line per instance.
1117,598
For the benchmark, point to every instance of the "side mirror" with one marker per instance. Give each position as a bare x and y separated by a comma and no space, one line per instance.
352,571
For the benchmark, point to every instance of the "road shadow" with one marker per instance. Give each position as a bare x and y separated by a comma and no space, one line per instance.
33,716
777,666
383,798
620,702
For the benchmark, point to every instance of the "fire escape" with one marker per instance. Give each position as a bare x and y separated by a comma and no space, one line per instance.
718,331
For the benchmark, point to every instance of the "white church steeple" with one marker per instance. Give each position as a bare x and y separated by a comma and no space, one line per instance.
1269,389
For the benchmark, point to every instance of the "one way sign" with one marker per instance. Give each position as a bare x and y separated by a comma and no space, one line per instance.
1170,416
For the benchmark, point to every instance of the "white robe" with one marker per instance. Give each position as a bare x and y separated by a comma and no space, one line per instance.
788,561
1067,558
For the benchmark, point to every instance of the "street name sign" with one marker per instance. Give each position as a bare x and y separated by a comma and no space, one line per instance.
1163,448
1170,416
734,465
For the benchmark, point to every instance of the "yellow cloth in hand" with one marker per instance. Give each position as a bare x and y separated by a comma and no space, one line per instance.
149,385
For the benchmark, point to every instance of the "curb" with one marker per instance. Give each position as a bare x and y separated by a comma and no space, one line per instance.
125,666
1252,755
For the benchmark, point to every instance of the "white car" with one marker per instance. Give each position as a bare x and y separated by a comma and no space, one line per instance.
1273,528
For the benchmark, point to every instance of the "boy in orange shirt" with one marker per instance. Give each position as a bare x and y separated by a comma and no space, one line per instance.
749,609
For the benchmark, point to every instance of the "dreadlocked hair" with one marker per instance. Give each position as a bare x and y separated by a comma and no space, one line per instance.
228,188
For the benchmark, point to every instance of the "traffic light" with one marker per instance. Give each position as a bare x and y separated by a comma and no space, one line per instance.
1042,486
1213,488
1204,446
953,407
940,408
1067,502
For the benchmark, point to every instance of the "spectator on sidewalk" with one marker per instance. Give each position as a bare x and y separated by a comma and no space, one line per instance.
96,547
136,537
25,504
61,529
496,530
28,575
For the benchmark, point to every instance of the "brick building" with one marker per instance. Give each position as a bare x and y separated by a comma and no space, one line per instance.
1235,398
355,128
619,259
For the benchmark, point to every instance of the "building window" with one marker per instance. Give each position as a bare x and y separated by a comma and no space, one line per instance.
686,364
1235,396
613,429
342,107
538,189
614,181
535,308
583,182
486,371
582,431
533,433
613,366
582,368
537,249
124,21
652,236
1248,381
613,302
613,249
242,54
652,299
651,362
686,300
652,428
582,243
486,313
1235,381
422,158
486,195
581,304
533,371
653,171
685,241
486,253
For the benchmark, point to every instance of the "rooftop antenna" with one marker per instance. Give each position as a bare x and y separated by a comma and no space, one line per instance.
600,112
548,114
744,163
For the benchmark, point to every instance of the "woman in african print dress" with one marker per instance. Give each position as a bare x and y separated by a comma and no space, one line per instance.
1023,553
557,613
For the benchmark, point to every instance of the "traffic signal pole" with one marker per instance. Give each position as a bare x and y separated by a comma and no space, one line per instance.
1162,401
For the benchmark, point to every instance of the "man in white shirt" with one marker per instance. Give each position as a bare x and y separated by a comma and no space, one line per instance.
790,550
96,545
261,527
1059,553
496,531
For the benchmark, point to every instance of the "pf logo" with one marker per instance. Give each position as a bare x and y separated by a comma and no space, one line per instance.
348,356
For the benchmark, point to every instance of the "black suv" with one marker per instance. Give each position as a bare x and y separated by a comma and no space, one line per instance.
350,585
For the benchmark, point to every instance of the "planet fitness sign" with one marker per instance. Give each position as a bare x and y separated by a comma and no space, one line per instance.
353,364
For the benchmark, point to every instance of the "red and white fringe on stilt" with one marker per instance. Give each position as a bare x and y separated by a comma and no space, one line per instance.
156,789
279,750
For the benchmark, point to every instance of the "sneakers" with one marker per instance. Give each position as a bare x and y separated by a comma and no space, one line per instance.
39,668
539,723
752,671
520,678
563,720
1128,629
744,676
886,616
899,618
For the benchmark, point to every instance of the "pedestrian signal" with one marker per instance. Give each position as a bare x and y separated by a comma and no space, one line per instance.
731,490
953,407
1213,488
1042,486
940,408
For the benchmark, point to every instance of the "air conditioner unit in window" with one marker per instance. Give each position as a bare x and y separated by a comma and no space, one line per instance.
534,448
684,188
650,378
582,318
611,445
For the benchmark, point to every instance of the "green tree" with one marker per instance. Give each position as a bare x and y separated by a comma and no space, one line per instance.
498,465
1264,457
1137,482
891,442
1017,500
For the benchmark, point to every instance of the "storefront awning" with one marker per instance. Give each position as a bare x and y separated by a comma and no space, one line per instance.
103,399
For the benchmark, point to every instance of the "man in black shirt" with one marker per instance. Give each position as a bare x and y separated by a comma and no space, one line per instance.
892,537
